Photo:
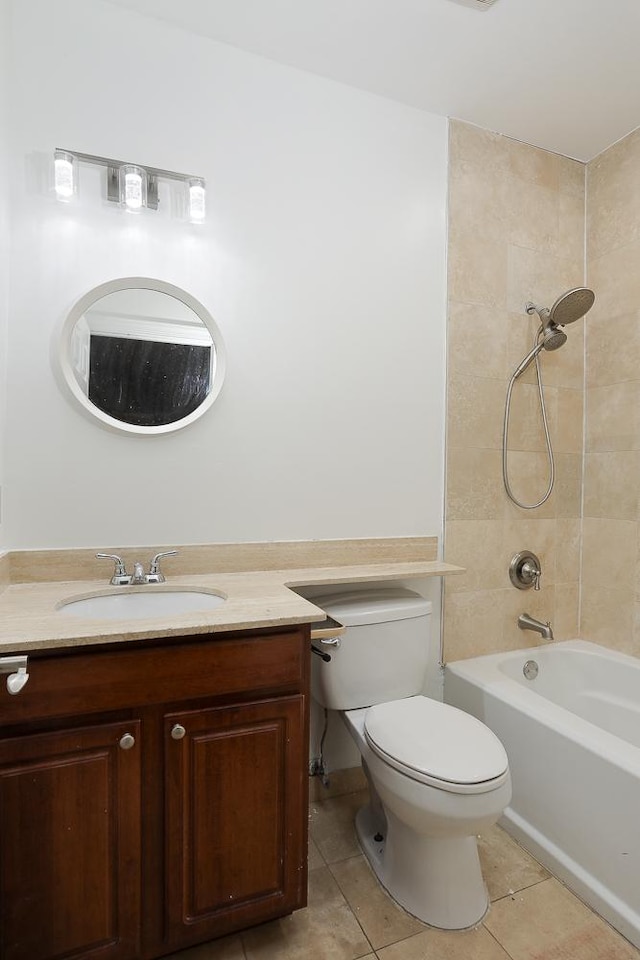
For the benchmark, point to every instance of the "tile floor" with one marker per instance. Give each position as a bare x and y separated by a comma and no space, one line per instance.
532,916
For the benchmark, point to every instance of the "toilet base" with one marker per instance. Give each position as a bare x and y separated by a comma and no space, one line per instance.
437,880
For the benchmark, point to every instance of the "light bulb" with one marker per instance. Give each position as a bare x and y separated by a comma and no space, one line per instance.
197,200
133,187
64,173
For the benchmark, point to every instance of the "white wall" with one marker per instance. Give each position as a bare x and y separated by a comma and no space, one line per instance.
5,50
322,261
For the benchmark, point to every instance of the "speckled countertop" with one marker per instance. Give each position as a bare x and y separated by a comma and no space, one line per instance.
32,615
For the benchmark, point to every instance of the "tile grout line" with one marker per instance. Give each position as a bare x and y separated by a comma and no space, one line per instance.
502,947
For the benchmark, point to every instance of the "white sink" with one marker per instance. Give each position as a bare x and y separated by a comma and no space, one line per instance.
141,604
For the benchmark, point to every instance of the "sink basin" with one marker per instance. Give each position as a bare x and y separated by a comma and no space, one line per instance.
142,604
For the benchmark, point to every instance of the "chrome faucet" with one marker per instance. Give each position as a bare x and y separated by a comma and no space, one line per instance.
525,622
122,578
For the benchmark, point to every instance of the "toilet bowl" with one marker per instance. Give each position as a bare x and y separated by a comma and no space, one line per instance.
437,776
419,829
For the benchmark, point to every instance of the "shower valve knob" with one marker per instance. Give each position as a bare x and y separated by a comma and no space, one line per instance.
525,570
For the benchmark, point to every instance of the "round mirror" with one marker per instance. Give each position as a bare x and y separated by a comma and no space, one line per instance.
141,355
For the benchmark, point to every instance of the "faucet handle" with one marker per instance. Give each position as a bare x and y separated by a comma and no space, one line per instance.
525,570
120,575
155,576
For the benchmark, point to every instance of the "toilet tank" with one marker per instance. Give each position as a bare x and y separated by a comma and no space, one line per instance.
382,654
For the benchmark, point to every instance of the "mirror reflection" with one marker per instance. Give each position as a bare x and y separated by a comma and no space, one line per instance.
142,357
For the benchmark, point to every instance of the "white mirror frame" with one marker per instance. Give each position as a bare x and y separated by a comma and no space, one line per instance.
61,354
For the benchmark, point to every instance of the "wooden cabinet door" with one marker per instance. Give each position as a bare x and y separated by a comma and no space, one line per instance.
236,809
70,844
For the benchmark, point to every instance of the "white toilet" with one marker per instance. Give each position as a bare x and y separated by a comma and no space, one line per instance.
437,776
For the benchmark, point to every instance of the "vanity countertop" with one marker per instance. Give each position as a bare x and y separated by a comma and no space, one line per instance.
30,618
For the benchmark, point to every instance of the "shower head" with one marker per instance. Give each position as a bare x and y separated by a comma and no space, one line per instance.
572,305
568,308
552,337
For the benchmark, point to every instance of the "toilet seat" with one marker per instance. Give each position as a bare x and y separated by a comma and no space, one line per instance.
437,744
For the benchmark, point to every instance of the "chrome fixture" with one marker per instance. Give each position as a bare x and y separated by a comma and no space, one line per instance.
568,308
128,184
530,669
122,578
138,575
525,622
154,575
525,570
16,667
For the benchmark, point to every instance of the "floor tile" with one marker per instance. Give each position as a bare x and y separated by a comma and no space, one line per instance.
326,930
546,922
315,857
382,920
228,948
332,825
446,945
506,867
340,781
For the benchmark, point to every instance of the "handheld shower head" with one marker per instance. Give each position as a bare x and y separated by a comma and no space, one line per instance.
553,337
549,338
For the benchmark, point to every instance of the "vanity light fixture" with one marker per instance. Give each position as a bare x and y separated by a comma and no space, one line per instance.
130,185
133,187
64,173
197,200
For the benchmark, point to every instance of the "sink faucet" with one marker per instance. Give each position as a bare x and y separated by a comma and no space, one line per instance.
121,577
138,574
525,622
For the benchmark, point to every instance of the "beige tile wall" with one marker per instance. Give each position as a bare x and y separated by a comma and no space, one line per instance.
611,601
516,233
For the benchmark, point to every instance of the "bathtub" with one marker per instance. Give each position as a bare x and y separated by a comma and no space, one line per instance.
572,735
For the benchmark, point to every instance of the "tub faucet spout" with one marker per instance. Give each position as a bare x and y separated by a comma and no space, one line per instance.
525,622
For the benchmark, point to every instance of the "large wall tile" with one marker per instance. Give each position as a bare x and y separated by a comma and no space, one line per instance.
477,270
474,413
615,279
480,543
474,484
477,341
613,417
516,235
613,348
612,485
609,554
539,276
614,197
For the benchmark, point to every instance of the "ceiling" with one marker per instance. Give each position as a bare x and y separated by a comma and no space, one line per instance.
560,74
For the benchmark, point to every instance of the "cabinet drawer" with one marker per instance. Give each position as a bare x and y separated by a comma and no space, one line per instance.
179,669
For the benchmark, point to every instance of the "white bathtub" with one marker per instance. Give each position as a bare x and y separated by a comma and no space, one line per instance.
573,740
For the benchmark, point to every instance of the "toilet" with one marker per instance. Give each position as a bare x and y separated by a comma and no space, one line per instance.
437,776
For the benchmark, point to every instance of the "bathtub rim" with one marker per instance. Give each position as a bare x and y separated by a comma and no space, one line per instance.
483,672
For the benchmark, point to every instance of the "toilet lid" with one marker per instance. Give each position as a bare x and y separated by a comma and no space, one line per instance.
433,740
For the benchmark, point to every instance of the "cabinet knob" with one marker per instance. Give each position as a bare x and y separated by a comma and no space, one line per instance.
127,741
177,731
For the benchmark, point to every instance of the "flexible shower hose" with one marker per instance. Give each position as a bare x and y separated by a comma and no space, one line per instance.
505,436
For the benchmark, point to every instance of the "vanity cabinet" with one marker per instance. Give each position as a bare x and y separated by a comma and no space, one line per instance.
70,842
153,795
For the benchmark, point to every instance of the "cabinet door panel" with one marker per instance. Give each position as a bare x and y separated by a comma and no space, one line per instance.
70,844
236,827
